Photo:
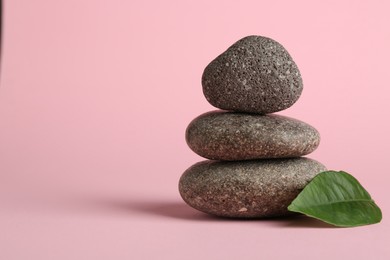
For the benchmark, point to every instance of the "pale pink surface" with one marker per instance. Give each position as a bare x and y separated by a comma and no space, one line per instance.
95,97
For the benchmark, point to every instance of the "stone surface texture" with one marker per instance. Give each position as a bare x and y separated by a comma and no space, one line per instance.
255,75
221,135
246,189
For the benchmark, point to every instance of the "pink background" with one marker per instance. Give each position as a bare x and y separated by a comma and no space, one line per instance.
95,97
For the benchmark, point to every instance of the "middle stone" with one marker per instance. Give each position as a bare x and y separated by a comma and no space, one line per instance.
231,136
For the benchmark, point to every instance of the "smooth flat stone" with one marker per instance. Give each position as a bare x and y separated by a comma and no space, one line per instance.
221,135
246,189
256,75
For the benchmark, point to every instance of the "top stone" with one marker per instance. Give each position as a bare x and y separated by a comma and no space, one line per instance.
255,75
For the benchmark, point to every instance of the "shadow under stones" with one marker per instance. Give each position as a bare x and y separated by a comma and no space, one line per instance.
180,210
169,209
300,221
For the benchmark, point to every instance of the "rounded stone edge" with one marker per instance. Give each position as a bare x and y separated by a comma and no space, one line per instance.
227,158
239,109
242,215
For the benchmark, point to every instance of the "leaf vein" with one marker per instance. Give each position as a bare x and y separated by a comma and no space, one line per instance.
340,201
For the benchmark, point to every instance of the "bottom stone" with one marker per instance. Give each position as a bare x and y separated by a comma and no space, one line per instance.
246,189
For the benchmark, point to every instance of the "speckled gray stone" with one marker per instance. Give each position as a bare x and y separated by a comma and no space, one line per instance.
255,75
246,189
221,135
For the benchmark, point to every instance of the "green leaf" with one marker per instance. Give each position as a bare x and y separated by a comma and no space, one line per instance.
338,199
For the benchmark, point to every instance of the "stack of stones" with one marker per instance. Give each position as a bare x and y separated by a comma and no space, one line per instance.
255,168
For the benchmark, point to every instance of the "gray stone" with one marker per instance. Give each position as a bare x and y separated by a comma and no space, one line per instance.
221,135
255,75
246,189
